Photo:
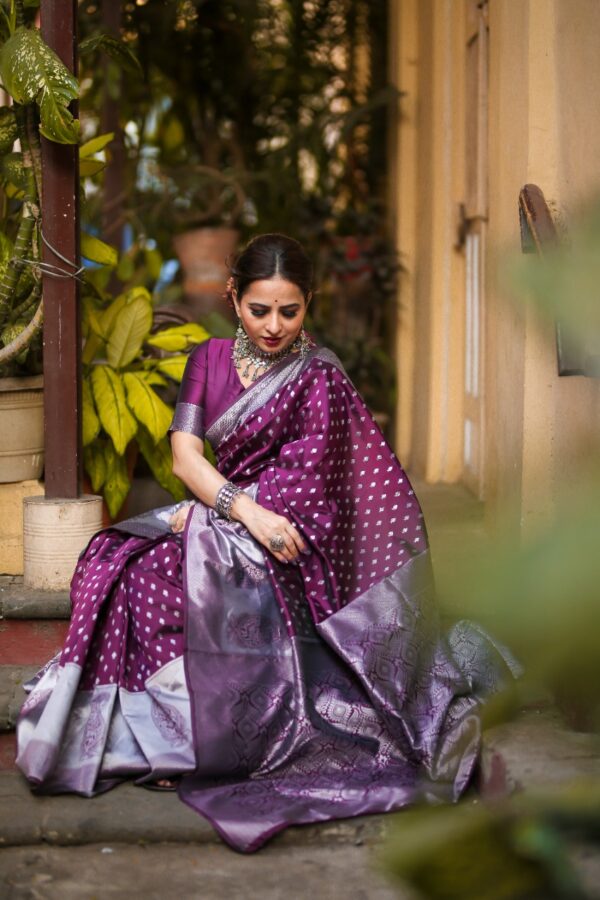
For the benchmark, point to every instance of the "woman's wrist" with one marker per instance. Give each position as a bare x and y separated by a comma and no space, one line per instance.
241,507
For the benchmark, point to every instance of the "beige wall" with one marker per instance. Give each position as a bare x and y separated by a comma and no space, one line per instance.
544,127
429,145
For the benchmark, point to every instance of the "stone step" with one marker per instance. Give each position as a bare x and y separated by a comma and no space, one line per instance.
130,814
534,750
8,751
20,602
12,695
33,625
33,642
208,871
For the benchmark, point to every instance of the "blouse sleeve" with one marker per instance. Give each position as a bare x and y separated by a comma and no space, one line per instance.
189,410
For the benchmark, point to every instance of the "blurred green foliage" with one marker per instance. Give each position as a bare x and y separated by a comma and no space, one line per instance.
541,596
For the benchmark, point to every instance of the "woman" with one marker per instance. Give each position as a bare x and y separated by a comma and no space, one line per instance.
275,643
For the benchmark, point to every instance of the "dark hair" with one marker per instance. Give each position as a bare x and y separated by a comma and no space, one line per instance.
268,255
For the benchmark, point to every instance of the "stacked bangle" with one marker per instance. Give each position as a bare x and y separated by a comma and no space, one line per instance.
225,498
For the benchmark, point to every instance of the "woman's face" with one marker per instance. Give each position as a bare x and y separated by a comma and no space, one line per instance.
272,312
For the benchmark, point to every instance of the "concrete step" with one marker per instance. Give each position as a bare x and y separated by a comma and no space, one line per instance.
8,751
12,694
208,872
33,642
535,749
33,625
20,602
130,814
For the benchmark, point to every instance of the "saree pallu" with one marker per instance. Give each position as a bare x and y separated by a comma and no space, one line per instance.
316,690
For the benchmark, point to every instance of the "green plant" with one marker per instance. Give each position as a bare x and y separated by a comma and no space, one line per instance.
41,88
122,381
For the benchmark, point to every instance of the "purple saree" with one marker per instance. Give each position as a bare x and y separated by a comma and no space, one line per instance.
295,693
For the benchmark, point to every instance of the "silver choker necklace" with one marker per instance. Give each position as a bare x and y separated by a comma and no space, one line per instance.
245,349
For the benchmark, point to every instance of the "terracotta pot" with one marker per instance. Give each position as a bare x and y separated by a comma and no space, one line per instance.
21,428
203,253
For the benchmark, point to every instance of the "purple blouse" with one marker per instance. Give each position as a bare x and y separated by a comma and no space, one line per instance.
209,386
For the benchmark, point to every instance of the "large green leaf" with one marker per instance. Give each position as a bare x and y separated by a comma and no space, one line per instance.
96,250
31,71
56,122
92,349
128,332
173,366
114,48
91,422
111,405
160,460
146,405
112,311
117,484
92,319
180,337
95,145
94,461
90,167
152,377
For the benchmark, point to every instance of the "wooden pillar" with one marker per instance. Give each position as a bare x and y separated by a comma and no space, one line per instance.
62,331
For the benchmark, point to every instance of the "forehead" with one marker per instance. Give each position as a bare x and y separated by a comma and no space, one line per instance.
274,290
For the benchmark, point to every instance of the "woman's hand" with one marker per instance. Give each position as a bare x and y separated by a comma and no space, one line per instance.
179,518
263,525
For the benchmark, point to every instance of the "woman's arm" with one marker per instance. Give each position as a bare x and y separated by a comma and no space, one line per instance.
203,480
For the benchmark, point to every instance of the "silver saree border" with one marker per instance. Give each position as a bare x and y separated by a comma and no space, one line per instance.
256,395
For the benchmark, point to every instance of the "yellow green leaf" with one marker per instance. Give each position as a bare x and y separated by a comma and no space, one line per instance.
180,337
91,422
160,460
97,251
111,406
173,366
92,348
117,484
89,167
92,318
94,461
147,406
95,145
111,312
152,377
154,262
128,332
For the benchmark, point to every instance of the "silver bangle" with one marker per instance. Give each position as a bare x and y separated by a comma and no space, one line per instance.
225,497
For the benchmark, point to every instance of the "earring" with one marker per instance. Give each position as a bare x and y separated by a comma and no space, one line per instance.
303,342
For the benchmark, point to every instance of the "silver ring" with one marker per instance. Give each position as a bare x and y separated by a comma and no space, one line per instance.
277,543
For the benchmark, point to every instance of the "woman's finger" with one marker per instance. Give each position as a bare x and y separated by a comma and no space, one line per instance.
296,538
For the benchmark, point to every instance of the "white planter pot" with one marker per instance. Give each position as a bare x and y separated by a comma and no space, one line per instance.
54,534
21,428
